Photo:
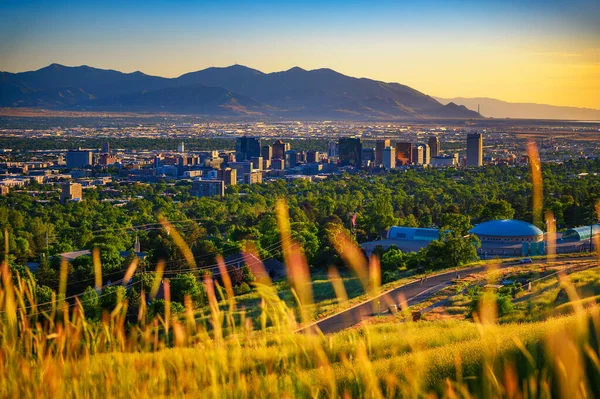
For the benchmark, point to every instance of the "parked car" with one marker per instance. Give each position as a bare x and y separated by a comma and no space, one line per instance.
525,260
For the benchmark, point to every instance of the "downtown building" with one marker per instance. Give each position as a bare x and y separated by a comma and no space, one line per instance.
246,148
474,149
350,151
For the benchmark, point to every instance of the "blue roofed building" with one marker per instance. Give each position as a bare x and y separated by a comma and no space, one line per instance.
407,239
507,231
581,233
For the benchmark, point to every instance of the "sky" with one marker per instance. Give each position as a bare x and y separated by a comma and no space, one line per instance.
526,51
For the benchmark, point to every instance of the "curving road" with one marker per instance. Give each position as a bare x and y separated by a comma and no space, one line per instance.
409,293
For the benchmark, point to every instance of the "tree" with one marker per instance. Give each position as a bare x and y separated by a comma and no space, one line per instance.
112,296
158,306
497,209
186,284
90,303
392,259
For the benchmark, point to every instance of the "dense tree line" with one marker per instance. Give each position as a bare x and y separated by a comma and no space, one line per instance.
452,200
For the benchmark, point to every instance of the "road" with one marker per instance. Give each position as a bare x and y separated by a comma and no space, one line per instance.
411,293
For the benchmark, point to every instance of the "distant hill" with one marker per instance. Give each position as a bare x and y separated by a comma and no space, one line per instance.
493,108
233,90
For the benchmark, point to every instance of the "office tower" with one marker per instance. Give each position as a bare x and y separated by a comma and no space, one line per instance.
291,159
380,145
277,164
418,155
474,149
266,152
404,154
228,175
246,148
445,160
257,162
71,192
241,167
367,155
279,149
434,146
312,156
106,148
389,158
350,151
426,154
332,149
208,188
181,147
253,178
78,159
158,159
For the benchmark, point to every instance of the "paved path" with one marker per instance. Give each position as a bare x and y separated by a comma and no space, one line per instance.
411,292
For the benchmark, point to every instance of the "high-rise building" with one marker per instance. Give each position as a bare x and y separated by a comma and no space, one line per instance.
418,155
312,156
241,167
434,146
332,149
380,145
367,155
474,149
246,148
389,158
71,192
266,152
291,159
181,147
253,178
208,188
106,148
350,151
426,154
279,149
79,159
277,164
404,154
228,175
257,162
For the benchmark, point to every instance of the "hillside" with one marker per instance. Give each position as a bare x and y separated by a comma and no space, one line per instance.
295,93
493,108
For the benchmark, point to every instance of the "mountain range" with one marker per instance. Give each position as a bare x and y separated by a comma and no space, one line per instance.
492,108
236,90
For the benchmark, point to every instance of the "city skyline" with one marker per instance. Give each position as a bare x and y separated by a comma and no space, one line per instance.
534,52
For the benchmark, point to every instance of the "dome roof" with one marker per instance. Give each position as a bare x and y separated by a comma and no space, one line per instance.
506,228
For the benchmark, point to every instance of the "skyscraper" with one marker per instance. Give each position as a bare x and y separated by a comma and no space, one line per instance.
291,159
434,146
426,154
389,158
474,149
106,148
246,148
266,152
380,145
350,151
332,149
279,149
404,154
181,147
418,155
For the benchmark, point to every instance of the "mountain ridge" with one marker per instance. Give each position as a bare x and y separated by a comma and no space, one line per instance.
236,90
494,108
